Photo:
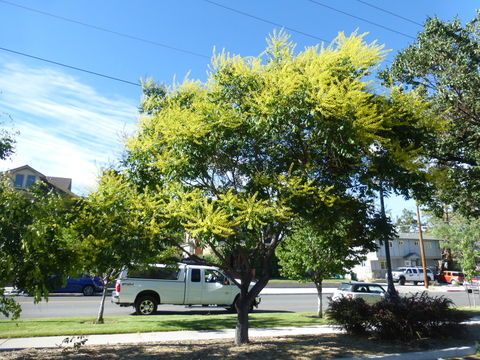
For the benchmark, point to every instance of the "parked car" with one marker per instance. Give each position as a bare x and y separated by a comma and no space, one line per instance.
83,283
451,277
370,292
411,274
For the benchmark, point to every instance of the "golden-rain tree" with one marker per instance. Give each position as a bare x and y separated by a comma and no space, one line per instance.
265,140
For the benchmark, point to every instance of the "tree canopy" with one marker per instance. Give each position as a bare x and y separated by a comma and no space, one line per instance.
314,251
267,140
443,64
116,226
34,245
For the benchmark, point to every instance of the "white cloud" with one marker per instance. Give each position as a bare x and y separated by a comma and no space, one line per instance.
67,128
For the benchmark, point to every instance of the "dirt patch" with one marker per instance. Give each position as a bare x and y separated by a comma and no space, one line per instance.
265,348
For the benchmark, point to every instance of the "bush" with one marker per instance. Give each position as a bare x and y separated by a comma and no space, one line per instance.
409,318
352,314
416,316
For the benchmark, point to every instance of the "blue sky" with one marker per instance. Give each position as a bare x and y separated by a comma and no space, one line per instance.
71,123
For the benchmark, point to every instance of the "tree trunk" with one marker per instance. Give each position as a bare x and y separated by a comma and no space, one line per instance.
102,303
320,300
241,330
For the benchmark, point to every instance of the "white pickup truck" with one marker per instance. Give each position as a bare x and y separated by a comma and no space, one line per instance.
182,284
412,274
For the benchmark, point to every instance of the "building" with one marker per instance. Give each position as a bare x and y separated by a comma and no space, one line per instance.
404,251
25,176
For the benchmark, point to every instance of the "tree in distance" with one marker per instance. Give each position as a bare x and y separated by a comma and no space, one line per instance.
328,247
443,64
264,142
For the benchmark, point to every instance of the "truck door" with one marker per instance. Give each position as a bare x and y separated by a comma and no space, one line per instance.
193,286
217,289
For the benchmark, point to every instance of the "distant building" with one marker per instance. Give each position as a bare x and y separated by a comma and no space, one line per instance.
404,251
25,176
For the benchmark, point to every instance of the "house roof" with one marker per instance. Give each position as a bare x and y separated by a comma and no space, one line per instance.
61,183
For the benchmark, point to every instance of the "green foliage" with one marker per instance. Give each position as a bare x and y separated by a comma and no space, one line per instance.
7,143
416,316
34,244
116,225
443,66
407,222
270,139
322,249
461,236
352,314
411,317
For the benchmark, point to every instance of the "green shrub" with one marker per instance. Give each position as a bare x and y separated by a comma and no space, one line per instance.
416,316
409,318
353,315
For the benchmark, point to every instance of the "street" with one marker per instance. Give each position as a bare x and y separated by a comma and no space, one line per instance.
87,306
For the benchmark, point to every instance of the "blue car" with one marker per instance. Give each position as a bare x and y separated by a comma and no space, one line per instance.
84,283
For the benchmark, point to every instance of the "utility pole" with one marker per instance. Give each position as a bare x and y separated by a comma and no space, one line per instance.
422,249
391,294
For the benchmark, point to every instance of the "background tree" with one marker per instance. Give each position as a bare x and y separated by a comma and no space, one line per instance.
443,64
33,243
407,222
316,251
461,236
265,141
7,143
116,226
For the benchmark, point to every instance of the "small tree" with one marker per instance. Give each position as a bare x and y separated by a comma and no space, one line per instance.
314,251
462,237
33,242
116,226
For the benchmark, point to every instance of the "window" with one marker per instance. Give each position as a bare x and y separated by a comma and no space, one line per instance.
30,180
19,180
383,265
153,272
195,277
416,243
390,243
400,242
212,276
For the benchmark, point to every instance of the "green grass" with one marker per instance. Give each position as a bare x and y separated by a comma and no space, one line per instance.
133,324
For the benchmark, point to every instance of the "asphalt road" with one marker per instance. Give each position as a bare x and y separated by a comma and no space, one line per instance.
83,306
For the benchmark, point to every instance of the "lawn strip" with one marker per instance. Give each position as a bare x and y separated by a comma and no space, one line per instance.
133,324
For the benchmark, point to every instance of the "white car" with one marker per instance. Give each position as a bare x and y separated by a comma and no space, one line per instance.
370,292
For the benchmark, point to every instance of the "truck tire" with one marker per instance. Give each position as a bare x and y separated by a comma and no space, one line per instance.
401,280
415,283
145,305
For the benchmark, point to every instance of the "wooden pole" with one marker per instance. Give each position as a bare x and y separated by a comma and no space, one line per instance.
422,249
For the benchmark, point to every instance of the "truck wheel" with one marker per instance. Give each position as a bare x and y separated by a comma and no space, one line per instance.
401,281
415,283
146,305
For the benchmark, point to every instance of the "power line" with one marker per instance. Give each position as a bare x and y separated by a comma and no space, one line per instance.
128,36
360,18
263,20
389,12
69,66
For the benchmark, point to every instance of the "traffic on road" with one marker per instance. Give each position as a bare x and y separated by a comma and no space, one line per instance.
273,300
